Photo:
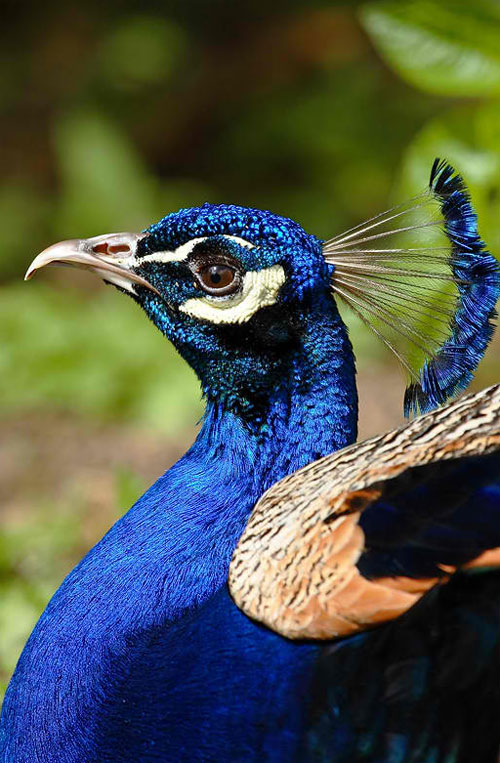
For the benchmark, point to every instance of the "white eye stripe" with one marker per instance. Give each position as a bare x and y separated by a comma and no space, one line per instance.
260,289
183,251
176,255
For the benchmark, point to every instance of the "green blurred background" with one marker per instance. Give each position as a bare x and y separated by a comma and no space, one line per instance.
327,112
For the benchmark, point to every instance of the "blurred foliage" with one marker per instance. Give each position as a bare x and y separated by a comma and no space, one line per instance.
93,357
325,111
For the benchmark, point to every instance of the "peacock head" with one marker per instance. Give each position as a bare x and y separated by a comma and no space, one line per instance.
235,289
231,287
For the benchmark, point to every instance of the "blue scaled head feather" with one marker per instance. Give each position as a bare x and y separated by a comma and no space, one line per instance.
432,305
237,287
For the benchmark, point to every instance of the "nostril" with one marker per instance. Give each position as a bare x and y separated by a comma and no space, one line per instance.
104,247
100,248
119,249
115,246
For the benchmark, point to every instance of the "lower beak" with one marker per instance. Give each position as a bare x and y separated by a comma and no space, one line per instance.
111,256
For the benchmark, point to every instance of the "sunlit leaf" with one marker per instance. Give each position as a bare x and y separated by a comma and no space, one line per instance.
447,48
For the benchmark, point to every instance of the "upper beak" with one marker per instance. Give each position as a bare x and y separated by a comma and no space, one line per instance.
110,256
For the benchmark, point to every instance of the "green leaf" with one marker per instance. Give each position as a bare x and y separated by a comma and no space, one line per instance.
446,48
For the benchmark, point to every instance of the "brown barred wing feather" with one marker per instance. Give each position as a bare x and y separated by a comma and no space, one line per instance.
298,567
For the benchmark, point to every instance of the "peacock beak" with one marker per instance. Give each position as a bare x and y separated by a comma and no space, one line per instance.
111,256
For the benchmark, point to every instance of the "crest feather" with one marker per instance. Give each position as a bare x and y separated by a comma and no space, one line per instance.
432,305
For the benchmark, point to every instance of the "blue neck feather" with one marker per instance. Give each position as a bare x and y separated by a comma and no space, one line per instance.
302,403
170,553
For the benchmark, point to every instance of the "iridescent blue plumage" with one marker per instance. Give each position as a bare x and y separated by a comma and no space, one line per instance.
477,277
142,655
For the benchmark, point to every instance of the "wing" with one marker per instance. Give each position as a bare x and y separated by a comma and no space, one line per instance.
356,538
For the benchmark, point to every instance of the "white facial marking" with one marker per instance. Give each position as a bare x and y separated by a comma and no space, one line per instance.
176,255
260,289
183,251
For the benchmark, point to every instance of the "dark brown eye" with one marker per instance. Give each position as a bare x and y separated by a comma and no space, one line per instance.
218,279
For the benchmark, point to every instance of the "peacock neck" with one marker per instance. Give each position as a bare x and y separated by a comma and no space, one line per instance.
169,555
305,409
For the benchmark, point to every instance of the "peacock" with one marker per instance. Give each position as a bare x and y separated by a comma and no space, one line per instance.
283,593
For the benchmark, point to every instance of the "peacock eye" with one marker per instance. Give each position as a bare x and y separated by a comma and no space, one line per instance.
218,279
